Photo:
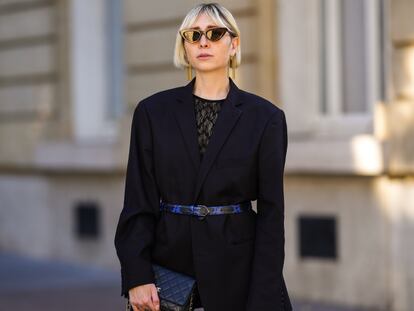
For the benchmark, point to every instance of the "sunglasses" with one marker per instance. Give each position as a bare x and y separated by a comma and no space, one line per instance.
212,34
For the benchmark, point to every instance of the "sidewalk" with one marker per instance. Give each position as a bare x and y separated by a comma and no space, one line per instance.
43,285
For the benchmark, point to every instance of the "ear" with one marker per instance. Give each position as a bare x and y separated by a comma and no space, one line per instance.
235,43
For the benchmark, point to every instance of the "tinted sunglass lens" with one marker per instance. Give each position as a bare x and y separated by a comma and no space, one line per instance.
216,34
195,36
191,35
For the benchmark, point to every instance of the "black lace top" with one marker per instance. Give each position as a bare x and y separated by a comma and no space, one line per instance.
206,115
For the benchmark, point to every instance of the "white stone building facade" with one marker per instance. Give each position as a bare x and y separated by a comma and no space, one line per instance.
71,72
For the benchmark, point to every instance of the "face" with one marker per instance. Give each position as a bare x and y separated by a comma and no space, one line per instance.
219,51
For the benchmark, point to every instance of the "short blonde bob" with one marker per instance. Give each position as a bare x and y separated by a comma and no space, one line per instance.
220,15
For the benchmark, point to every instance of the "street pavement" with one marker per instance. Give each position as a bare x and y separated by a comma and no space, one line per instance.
43,285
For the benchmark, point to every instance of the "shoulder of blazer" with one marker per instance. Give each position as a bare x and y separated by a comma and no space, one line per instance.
159,98
251,101
260,104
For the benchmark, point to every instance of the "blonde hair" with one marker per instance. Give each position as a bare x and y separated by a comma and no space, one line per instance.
220,15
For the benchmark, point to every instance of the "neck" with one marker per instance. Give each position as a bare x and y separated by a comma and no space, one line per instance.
211,85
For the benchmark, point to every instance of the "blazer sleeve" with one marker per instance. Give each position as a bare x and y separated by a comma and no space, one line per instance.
265,292
135,230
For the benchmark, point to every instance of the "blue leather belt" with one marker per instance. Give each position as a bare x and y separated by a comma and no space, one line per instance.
203,210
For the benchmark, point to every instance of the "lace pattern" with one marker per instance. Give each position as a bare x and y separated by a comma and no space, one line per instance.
206,115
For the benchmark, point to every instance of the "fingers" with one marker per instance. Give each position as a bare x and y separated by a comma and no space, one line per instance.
146,304
140,308
144,298
155,298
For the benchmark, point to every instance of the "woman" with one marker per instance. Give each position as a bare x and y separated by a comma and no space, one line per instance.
199,154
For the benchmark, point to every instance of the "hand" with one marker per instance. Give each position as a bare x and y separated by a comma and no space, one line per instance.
144,298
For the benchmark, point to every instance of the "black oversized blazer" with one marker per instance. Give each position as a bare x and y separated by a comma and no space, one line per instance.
237,259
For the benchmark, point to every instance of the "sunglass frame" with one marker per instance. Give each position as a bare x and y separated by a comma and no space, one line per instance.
202,32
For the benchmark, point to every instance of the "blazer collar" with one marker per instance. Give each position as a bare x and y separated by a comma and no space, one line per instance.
186,92
186,121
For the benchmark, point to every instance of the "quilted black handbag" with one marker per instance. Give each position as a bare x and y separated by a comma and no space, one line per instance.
175,290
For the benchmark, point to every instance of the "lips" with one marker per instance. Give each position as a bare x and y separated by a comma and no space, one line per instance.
204,55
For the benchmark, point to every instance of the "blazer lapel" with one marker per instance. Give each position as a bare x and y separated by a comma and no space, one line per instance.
186,119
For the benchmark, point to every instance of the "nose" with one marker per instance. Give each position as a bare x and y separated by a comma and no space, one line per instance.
203,40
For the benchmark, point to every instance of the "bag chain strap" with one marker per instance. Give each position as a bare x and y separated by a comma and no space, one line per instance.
191,302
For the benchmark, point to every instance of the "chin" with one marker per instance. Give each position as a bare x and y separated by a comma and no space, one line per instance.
205,69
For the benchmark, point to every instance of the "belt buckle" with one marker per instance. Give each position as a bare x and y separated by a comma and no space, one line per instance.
204,211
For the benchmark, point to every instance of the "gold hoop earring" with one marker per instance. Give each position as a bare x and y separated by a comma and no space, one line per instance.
189,72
